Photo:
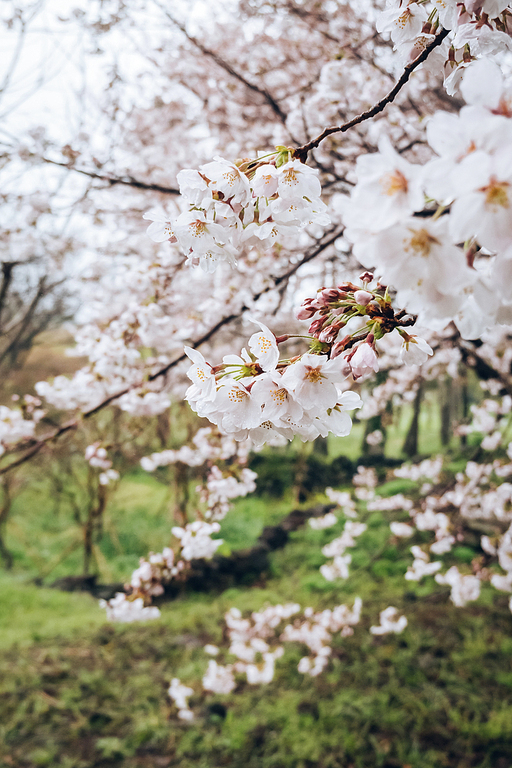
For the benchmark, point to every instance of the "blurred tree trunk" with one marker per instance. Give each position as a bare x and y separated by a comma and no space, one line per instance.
4,513
410,446
93,526
464,389
372,425
181,493
321,446
446,395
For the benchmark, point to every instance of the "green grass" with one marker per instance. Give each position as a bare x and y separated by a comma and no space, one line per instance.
46,541
77,692
429,442
31,614
39,532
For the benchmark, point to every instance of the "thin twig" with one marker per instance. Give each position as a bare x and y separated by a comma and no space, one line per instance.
301,153
114,180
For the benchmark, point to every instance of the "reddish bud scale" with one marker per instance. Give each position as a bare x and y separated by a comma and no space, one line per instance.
317,325
330,294
329,333
340,347
305,313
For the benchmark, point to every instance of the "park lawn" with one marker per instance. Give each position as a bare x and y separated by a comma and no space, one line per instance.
76,692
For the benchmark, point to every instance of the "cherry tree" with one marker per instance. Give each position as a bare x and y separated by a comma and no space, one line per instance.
389,232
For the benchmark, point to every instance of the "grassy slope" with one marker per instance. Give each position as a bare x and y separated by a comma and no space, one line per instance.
83,693
76,692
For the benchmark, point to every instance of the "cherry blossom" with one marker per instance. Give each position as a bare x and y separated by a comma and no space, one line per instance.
389,622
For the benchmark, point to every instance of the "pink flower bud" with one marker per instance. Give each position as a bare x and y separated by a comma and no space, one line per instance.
330,294
329,333
363,297
323,301
316,325
305,313
339,347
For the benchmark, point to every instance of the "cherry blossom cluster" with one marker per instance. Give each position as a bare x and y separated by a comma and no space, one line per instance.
344,500
338,567
477,27
208,446
180,694
256,642
222,486
192,542
482,493
398,384
491,419
365,481
235,205
361,315
450,262
14,428
96,456
257,395
389,621
125,611
227,477
321,523
316,631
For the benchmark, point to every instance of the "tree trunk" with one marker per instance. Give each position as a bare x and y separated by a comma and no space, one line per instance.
4,513
410,446
372,425
93,525
446,410
181,477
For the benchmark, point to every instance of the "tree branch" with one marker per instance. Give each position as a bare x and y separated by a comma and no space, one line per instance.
7,270
301,153
129,181
226,66
74,424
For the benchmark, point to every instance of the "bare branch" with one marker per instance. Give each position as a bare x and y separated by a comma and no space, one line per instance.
10,349
301,153
127,181
227,67
7,270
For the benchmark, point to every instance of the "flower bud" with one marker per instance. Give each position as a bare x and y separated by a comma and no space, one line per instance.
330,294
339,347
329,333
305,313
316,325
363,297
363,360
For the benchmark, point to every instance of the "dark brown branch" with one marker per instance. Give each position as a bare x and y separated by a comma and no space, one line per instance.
301,153
7,270
484,369
74,424
40,293
129,181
